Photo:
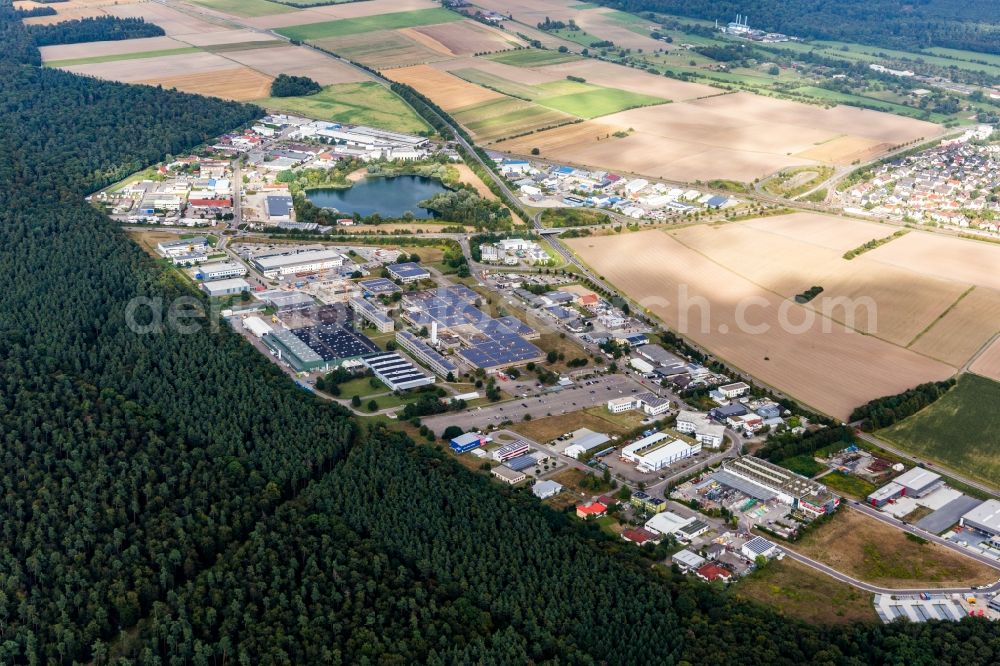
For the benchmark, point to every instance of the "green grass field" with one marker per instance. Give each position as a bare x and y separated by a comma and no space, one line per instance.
576,36
122,56
823,94
246,8
498,83
598,102
354,26
848,484
961,430
355,103
504,117
532,57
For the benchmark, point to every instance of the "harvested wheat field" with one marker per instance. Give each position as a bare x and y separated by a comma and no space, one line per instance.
426,40
971,322
383,49
599,22
67,11
988,365
894,304
846,149
227,37
469,177
804,355
532,12
140,71
119,47
828,231
172,21
966,261
839,120
299,61
737,136
464,38
634,80
241,84
446,90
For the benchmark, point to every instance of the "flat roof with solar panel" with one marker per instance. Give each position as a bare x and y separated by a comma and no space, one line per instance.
396,372
378,286
408,271
334,342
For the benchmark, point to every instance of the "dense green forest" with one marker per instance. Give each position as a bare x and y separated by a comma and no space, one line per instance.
171,497
959,24
95,29
883,412
286,85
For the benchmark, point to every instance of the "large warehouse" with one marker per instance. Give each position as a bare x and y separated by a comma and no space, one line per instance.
225,287
916,482
293,351
396,372
808,496
309,261
653,453
984,518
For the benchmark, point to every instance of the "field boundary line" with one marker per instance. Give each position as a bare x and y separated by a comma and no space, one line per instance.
941,316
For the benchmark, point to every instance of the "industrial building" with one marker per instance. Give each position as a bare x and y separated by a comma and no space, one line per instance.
734,390
469,441
221,270
688,560
290,263
293,351
278,207
379,286
764,481
396,372
426,354
546,489
701,428
225,287
372,314
916,482
984,518
512,450
335,342
619,405
659,450
508,475
407,272
647,502
653,405
183,247
758,547
257,326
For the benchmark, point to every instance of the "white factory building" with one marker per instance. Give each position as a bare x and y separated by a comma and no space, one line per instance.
984,518
220,270
257,326
700,427
225,287
308,261
653,453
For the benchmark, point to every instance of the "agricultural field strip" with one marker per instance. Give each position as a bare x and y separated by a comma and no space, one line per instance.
352,26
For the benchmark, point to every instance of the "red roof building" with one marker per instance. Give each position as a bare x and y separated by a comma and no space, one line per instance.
210,203
712,571
591,510
640,536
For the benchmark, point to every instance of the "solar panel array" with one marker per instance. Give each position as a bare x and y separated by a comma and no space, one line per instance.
395,371
334,341
451,307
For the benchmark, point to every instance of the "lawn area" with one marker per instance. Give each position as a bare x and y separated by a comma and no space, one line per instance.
805,465
825,95
799,592
573,217
577,36
365,103
353,26
571,478
848,484
246,8
532,57
361,387
597,102
869,550
960,430
597,419
122,56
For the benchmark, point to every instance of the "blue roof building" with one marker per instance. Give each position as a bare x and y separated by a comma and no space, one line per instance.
468,442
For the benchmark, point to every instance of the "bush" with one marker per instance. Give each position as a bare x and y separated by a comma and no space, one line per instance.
294,86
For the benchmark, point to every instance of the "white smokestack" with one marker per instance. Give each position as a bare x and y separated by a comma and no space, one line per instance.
434,332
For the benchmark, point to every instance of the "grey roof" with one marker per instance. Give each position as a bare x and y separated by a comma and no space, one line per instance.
948,515
408,269
758,545
521,463
917,478
545,487
278,205
752,489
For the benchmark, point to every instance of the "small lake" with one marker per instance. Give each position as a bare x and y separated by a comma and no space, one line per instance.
389,197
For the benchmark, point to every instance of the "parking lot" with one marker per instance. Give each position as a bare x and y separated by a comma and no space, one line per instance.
539,403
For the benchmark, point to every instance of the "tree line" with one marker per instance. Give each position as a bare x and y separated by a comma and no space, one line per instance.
93,29
883,412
